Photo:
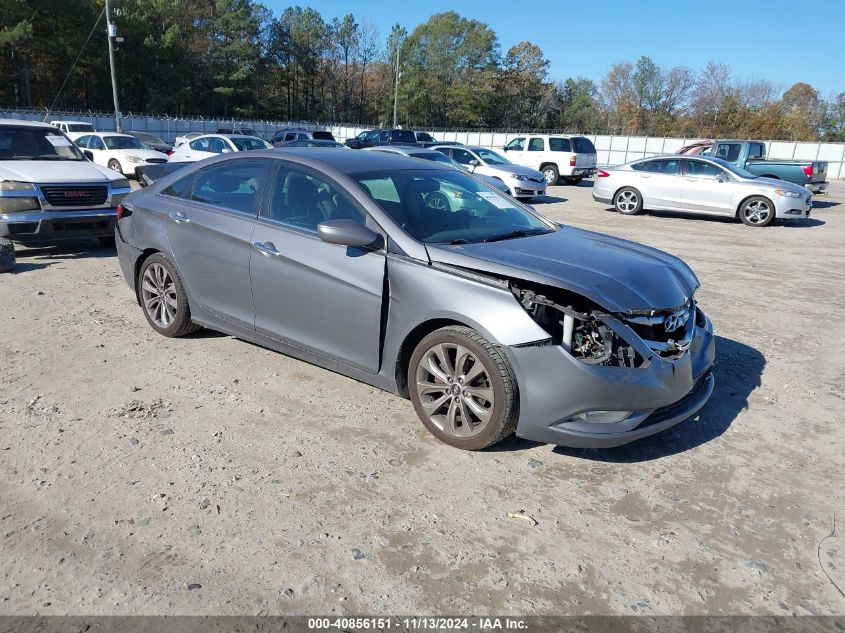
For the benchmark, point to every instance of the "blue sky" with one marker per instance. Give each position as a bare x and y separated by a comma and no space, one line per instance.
782,41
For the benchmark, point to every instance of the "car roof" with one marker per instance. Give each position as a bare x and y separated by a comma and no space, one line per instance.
111,133
74,122
404,150
29,123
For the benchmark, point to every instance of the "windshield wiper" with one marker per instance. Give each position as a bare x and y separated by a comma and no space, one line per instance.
515,234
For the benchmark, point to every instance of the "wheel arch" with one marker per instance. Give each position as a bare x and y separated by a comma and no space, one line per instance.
144,256
748,197
409,344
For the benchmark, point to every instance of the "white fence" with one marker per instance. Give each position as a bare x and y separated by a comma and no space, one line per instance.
612,150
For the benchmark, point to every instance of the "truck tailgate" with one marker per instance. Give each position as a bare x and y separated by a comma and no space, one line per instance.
819,171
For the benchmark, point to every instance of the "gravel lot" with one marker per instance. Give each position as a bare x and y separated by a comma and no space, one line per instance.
143,475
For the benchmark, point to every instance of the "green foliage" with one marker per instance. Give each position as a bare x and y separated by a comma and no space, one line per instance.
235,58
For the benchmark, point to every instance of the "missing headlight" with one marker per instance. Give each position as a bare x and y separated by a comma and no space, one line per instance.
574,324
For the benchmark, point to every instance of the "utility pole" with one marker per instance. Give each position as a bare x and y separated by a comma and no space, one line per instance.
396,85
111,32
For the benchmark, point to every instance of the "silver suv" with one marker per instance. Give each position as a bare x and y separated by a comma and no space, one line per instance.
300,134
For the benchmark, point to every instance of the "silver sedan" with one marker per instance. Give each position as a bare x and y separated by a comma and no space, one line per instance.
700,185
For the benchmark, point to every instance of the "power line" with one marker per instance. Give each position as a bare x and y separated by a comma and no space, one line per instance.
73,65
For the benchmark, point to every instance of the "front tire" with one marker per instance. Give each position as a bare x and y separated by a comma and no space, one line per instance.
463,388
114,165
163,298
757,211
628,201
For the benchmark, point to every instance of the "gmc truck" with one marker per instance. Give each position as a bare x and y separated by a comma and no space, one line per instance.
49,191
751,156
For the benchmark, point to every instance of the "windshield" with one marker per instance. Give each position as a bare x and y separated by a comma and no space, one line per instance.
492,158
445,206
737,171
80,127
123,142
403,136
148,138
248,131
425,137
33,143
244,144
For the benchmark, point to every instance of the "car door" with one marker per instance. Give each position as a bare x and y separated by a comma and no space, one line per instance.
535,152
515,150
318,296
99,152
707,188
200,148
210,231
661,184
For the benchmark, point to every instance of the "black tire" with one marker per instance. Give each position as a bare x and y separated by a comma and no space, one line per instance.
114,165
756,211
181,323
628,201
107,241
551,173
498,377
572,180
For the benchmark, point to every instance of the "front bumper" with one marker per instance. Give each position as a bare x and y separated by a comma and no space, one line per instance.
527,188
555,387
793,208
49,226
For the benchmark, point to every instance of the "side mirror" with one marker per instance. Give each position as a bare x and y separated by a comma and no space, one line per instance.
505,148
722,178
473,163
88,154
225,150
348,233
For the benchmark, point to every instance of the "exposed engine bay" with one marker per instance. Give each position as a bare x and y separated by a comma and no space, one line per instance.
579,327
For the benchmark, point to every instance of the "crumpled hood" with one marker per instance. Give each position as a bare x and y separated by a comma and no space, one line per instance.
617,274
47,171
517,169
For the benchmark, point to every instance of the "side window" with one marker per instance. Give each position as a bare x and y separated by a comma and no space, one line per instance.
179,189
728,151
233,185
536,145
302,200
462,156
517,144
290,136
82,141
702,170
372,136
384,136
662,167
559,144
755,150
200,145
96,142
301,137
217,145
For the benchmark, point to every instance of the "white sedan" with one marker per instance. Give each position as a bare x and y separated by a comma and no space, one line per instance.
522,182
214,144
700,185
120,152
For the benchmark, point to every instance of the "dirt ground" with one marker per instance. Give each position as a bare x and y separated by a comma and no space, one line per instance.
143,475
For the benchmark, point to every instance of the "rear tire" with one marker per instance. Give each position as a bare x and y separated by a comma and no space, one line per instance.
757,211
551,174
163,298
463,388
572,180
628,201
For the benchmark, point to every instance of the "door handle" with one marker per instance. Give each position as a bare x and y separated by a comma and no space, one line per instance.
268,249
179,217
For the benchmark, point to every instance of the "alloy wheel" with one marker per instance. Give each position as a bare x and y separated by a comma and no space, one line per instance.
550,176
455,390
627,201
158,293
757,212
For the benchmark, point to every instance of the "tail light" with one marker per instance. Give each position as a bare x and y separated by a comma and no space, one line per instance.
120,211
602,174
572,160
808,170
170,152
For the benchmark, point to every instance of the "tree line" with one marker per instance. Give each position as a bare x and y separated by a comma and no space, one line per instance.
236,58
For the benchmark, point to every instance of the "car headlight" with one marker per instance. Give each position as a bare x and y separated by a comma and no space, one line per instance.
786,193
122,183
134,159
519,177
14,185
18,204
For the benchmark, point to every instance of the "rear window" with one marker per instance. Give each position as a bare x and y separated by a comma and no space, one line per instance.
559,145
581,145
322,136
80,127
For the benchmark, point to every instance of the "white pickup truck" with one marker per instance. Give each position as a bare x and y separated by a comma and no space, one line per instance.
49,191
556,155
73,129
